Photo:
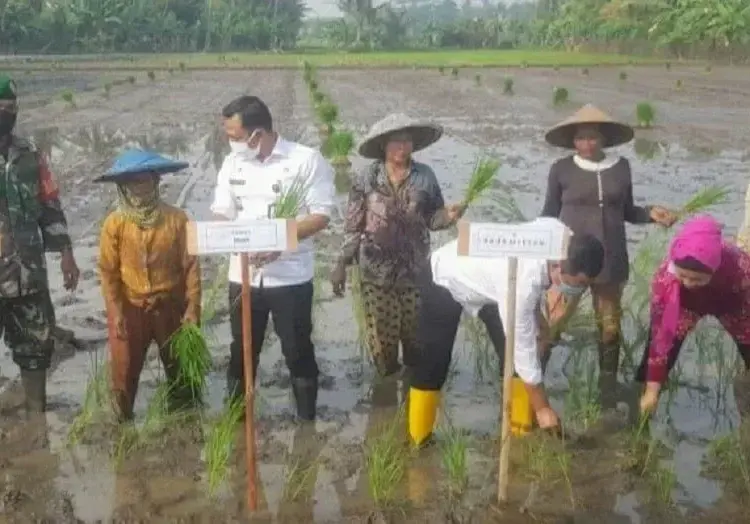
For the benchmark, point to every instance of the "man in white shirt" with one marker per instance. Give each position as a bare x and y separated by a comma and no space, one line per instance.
259,169
479,285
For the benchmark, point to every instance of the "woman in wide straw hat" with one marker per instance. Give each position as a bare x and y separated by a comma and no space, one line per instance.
151,284
592,192
393,205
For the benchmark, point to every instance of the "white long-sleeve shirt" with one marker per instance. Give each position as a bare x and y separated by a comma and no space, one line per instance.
475,282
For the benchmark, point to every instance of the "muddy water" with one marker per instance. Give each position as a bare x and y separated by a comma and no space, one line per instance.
167,483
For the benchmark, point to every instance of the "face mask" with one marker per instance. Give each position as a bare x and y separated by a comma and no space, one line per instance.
241,147
570,291
7,122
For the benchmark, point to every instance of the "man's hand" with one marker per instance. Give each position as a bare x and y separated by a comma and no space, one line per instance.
663,216
650,398
547,418
69,270
338,279
455,212
261,259
190,318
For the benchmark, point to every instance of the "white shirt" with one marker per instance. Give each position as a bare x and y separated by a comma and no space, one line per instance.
246,188
475,282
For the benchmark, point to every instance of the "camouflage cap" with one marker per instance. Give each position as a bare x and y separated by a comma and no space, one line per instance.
7,88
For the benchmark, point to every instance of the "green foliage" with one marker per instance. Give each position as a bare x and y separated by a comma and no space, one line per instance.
645,114
560,96
338,145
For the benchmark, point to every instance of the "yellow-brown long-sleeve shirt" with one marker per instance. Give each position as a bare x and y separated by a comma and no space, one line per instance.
143,265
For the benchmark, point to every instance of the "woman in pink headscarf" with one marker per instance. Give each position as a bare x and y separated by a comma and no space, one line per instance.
701,275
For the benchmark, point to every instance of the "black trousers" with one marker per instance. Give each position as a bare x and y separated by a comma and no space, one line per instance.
291,308
439,318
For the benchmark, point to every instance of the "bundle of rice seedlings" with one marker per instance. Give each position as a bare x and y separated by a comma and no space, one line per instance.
702,200
646,114
508,86
291,199
623,75
481,179
338,146
328,113
560,96
220,442
68,97
189,347
478,79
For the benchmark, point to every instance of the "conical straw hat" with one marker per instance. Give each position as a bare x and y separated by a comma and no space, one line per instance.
615,133
423,134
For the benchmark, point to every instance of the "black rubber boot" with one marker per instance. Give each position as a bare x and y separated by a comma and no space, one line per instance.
609,360
35,390
306,396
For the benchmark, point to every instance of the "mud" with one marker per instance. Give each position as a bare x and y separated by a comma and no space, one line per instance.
699,139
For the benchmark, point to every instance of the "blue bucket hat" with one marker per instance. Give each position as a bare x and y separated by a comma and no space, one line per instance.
136,161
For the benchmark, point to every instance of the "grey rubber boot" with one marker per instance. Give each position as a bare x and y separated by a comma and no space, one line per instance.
305,392
35,390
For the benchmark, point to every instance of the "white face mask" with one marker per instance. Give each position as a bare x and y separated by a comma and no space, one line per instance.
242,147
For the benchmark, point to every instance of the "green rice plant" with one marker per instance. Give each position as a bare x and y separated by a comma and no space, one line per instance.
97,402
328,112
454,72
385,458
182,66
623,76
338,146
678,83
312,85
291,199
478,79
300,478
441,70
582,406
560,96
481,179
220,442
508,86
215,294
131,79
68,98
189,348
704,199
708,69
662,481
107,89
585,71
151,76
318,98
506,206
524,65
155,422
453,450
728,461
556,69
481,349
170,71
668,66
645,114
545,460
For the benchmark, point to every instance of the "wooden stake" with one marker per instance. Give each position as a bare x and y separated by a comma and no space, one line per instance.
510,342
247,352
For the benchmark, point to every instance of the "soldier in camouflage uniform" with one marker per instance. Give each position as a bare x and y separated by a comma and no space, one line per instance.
31,223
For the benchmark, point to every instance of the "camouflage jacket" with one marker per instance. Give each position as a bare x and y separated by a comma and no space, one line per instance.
31,220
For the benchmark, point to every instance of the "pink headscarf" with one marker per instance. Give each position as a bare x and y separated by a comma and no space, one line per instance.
700,238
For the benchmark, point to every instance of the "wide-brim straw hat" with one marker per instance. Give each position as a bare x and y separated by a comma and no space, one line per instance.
614,133
136,161
423,134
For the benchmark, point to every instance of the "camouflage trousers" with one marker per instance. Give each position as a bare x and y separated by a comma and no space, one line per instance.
391,316
26,322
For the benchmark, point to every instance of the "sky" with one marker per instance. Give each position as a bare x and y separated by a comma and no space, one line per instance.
327,8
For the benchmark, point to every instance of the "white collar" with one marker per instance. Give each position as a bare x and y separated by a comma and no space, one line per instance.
590,165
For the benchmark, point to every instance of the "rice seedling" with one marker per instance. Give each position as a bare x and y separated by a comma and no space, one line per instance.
170,71
214,294
131,79
704,199
151,76
385,458
661,482
585,71
623,76
68,98
678,83
524,64
338,146
668,66
708,69
220,442
546,461
556,69
107,89
189,347
478,79
727,460
312,85
481,179
182,66
645,114
453,448
291,199
318,98
328,113
96,403
441,70
454,72
300,478
508,86
560,96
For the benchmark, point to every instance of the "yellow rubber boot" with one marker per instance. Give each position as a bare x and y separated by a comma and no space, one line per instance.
422,413
521,414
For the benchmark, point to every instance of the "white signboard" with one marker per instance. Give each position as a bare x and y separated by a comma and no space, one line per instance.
544,238
246,236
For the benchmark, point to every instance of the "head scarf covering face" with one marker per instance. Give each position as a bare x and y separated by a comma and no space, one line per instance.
700,238
144,210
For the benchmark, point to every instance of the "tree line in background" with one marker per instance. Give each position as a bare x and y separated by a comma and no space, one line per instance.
684,28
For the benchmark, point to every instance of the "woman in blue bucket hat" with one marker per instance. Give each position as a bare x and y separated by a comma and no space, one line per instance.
151,284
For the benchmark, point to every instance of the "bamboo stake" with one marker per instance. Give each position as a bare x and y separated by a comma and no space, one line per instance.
510,341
